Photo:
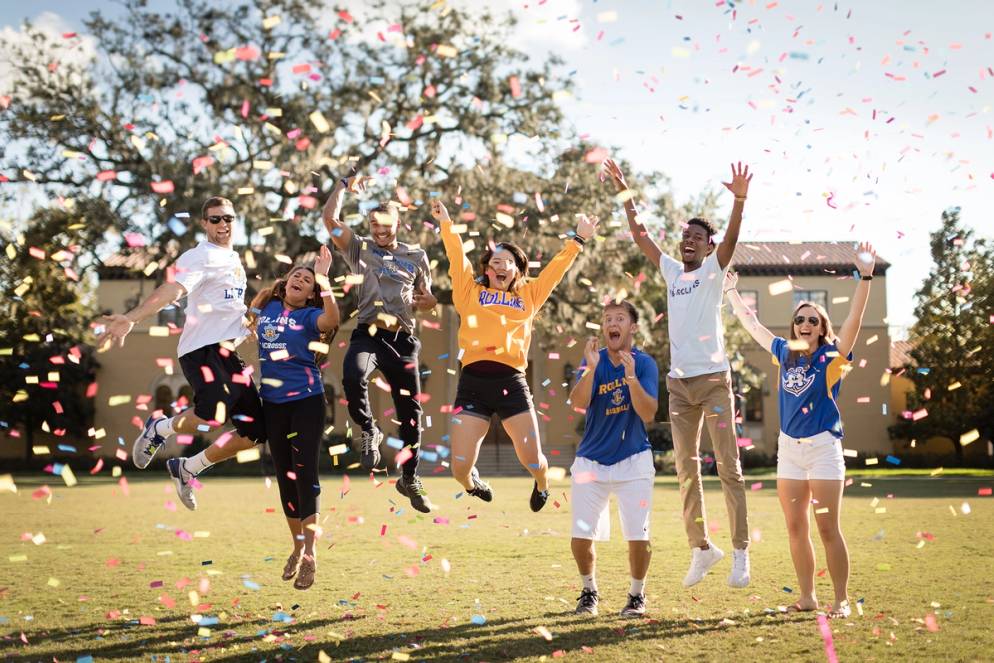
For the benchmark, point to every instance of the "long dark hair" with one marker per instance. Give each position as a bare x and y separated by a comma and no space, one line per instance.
277,291
520,260
826,334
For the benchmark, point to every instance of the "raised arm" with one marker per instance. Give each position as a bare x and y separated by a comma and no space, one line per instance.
330,316
460,271
553,273
340,233
865,259
582,391
117,327
763,336
739,186
639,232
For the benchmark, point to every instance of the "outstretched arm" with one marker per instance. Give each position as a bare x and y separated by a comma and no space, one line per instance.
117,327
639,232
740,187
460,271
553,273
341,234
865,259
330,316
763,336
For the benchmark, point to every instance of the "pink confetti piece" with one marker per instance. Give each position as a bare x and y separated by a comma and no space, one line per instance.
163,187
757,486
826,636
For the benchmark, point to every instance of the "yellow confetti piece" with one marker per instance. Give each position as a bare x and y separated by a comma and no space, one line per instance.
468,246
505,220
954,386
53,582
278,355
40,450
873,339
338,449
68,476
625,196
200,534
797,344
824,509
780,287
458,228
319,347
246,191
471,321
156,330
221,57
544,632
271,22
7,483
872,461
319,122
204,632
353,279
556,473
221,412
194,597
261,164
323,658
880,509
967,438
18,558
883,566
592,325
38,539
400,656
247,455
446,51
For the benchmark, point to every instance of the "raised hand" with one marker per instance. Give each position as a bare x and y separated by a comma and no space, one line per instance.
323,263
628,361
731,281
865,259
424,300
612,170
116,329
591,354
438,211
586,226
740,180
358,183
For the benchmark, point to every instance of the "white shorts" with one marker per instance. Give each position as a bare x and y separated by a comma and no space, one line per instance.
631,480
816,457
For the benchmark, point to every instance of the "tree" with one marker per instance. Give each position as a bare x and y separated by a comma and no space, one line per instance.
953,369
48,376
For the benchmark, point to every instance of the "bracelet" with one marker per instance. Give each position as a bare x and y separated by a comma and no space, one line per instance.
742,198
729,290
579,240
345,182
866,278
629,379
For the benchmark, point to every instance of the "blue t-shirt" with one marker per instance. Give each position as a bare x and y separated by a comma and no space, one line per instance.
809,389
287,365
614,431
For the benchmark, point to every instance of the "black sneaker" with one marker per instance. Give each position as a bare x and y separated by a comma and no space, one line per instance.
587,603
538,498
635,606
411,488
369,448
481,488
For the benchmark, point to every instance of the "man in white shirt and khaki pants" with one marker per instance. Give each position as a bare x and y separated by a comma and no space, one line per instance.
699,380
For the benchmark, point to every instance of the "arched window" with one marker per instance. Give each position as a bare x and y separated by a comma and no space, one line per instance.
163,400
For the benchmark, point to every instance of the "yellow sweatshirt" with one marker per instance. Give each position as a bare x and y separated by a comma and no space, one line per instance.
496,325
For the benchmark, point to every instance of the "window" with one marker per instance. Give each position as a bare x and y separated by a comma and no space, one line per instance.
164,399
819,297
751,299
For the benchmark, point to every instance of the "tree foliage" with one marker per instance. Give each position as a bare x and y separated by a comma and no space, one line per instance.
952,340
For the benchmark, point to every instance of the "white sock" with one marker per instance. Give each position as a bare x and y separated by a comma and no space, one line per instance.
589,582
197,464
637,588
164,427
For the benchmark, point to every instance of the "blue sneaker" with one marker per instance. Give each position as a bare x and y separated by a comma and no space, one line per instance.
147,444
184,487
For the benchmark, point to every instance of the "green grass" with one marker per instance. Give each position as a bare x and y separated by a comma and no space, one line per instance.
385,596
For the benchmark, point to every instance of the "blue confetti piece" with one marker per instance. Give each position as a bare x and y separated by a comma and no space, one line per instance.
788,590
445,356
281,616
208,621
84,659
368,205
67,448
479,620
177,226
923,371
337,232
57,468
429,456
395,443
519,198
251,585
442,451
893,460
377,80
582,525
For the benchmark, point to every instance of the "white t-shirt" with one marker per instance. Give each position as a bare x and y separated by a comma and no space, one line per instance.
697,335
215,296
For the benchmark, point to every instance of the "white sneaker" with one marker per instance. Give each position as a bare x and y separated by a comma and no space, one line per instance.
701,562
184,486
147,443
739,577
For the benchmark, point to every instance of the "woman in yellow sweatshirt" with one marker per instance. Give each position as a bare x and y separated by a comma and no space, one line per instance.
495,325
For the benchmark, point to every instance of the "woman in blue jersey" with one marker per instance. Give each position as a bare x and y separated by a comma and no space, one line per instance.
295,321
810,465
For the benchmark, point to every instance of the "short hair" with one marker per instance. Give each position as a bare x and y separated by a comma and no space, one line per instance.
625,304
214,201
385,208
707,225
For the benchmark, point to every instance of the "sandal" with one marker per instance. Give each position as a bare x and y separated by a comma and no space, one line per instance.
844,611
305,576
797,608
292,562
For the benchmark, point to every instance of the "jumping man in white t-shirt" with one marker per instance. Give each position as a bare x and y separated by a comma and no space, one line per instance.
212,278
699,380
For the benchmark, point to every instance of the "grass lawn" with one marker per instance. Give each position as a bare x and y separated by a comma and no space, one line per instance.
115,575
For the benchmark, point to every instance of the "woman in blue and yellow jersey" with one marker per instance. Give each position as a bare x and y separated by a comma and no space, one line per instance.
811,468
496,312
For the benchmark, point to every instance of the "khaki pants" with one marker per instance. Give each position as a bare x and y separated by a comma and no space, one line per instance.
707,398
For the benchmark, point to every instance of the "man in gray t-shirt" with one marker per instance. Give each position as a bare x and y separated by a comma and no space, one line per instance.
396,281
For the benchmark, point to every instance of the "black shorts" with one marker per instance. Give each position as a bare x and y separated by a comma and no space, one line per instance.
215,385
483,396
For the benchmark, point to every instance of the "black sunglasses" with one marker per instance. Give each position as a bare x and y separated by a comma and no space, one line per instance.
799,320
216,219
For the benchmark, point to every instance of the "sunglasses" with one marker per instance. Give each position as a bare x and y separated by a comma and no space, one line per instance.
216,219
799,320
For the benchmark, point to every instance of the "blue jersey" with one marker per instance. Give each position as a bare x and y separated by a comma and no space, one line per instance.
287,365
614,431
809,389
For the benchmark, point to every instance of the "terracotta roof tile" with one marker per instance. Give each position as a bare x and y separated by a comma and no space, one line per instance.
762,258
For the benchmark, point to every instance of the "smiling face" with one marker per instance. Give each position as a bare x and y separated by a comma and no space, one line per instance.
502,270
619,328
299,288
219,233
383,227
695,246
810,327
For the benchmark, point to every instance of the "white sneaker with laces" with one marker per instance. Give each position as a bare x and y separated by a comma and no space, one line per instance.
183,481
701,562
739,577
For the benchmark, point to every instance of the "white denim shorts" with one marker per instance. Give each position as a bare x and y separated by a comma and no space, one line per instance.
631,480
816,457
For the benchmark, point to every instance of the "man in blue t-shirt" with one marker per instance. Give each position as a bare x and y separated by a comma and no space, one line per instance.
619,391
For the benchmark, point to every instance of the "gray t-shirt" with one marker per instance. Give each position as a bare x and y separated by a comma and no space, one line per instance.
390,278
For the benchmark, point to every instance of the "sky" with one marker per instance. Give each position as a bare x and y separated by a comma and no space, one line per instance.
860,121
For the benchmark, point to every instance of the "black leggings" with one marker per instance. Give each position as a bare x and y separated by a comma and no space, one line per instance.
294,430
